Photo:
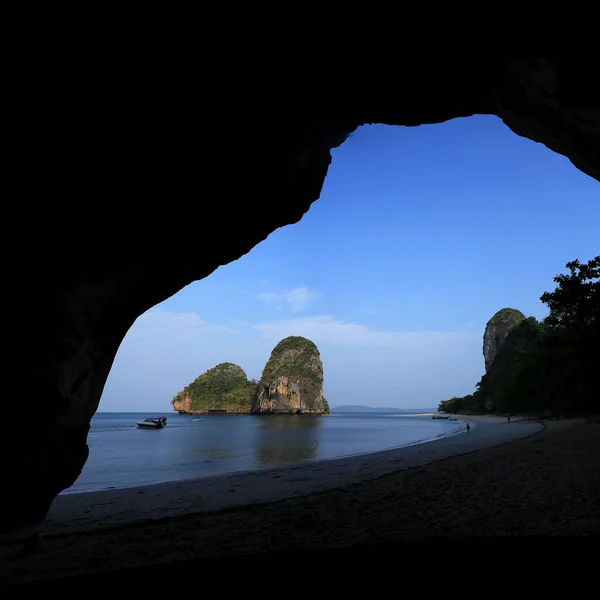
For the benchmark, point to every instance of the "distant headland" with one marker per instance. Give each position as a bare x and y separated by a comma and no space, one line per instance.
359,408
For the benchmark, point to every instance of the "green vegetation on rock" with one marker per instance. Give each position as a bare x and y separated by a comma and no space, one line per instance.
298,359
548,367
506,318
224,387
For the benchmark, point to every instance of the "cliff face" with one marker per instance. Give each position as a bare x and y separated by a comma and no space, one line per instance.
182,403
224,388
496,330
292,380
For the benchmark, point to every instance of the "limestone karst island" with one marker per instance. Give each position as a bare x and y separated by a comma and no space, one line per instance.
291,383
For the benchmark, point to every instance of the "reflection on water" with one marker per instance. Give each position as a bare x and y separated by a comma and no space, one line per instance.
222,438
286,439
210,454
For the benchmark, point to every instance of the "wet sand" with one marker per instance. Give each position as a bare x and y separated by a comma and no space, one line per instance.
482,488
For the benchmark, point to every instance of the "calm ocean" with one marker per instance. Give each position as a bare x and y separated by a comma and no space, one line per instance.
123,455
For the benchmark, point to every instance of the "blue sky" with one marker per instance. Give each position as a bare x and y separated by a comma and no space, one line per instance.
420,235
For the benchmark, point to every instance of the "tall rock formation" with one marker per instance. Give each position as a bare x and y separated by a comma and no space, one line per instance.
496,330
222,389
292,380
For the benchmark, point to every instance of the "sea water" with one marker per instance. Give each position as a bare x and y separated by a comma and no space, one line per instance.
188,447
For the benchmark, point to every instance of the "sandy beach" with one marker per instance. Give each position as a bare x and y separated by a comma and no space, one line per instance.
501,480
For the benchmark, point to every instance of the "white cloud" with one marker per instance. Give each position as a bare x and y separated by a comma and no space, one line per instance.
160,324
327,329
295,300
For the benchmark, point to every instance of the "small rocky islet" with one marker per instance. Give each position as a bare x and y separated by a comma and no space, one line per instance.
291,383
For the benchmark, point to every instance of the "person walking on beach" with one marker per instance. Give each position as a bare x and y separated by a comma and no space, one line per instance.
468,428
509,418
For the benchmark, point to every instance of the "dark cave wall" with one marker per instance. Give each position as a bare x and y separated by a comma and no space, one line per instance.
125,182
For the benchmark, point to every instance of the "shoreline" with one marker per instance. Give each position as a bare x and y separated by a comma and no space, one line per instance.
94,510
461,494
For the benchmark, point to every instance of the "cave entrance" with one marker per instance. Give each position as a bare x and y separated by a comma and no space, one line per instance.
419,236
